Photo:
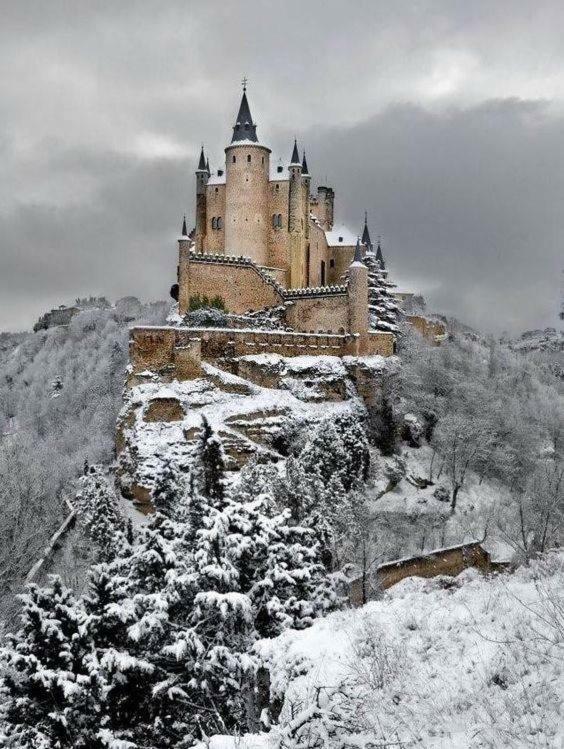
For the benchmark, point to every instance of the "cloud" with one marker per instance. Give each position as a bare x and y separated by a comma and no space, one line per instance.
443,119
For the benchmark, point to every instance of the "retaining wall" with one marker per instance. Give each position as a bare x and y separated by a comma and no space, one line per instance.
180,351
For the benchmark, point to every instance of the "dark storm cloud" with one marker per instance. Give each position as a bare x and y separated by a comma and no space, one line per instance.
443,119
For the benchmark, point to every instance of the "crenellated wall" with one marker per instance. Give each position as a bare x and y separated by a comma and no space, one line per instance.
178,352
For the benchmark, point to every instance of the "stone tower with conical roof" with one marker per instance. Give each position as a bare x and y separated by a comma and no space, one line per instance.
202,176
247,167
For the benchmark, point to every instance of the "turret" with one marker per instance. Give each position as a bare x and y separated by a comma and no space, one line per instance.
183,293
380,255
306,181
326,206
296,218
202,176
358,293
247,165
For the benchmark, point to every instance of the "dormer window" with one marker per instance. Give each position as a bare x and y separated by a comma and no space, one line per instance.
220,172
279,169
340,239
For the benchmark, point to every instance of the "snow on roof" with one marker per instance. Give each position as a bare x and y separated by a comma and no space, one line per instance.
216,179
275,175
247,142
340,236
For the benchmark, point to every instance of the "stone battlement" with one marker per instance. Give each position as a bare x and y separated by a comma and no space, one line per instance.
317,291
178,352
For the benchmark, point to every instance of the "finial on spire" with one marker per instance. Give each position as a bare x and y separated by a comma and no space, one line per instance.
295,155
244,82
184,231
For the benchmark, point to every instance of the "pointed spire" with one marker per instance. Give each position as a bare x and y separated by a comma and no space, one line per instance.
202,162
304,166
379,255
184,231
357,252
244,128
208,167
295,155
366,234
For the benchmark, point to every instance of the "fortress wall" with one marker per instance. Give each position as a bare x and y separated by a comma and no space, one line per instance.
342,257
317,252
178,352
431,330
215,238
328,313
239,284
449,562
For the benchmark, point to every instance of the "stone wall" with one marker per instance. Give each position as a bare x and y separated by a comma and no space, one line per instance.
450,562
178,352
238,282
322,313
433,331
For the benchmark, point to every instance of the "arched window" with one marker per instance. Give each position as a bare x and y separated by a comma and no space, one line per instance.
234,159
217,189
214,223
277,188
249,158
274,222
279,220
219,223
332,263
322,274
263,160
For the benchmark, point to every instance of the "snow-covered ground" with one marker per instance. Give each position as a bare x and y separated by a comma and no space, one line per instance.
443,664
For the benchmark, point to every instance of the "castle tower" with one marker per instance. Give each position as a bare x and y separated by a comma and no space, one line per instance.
296,219
306,185
202,176
247,167
358,293
183,270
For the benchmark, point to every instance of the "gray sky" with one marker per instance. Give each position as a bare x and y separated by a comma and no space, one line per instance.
445,120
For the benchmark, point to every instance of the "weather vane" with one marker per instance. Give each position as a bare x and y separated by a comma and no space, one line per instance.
244,82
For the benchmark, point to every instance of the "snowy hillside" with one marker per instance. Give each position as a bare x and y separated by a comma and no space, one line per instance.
441,663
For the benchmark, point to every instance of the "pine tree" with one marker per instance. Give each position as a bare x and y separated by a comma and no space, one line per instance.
49,696
99,513
384,311
167,490
212,464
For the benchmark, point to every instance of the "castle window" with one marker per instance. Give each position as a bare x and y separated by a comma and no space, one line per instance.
217,189
340,239
249,158
279,169
234,158
277,188
332,263
274,222
263,160
219,223
279,221
322,273
214,223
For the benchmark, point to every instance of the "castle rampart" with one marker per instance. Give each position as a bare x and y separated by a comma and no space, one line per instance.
177,352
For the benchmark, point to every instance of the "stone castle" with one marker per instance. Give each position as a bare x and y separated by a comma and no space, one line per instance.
264,241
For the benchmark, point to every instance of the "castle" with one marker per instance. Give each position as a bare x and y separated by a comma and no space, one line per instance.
263,208
262,242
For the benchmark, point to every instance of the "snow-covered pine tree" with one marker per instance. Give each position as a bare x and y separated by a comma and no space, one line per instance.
384,311
167,490
211,459
48,695
99,513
